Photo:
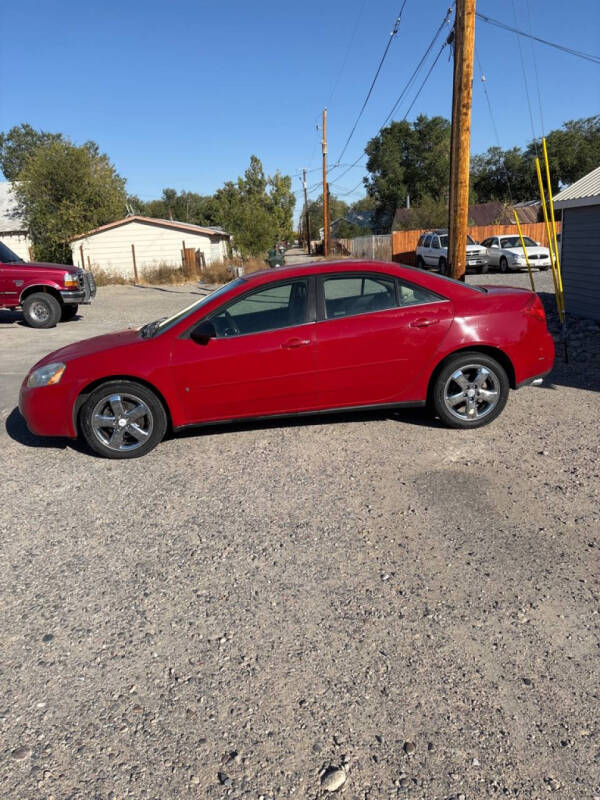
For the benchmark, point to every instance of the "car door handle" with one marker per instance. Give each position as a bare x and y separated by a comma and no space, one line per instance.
293,343
423,322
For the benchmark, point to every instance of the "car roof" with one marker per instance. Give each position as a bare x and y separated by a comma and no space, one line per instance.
436,283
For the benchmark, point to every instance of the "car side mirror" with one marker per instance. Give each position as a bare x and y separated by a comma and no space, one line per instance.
203,333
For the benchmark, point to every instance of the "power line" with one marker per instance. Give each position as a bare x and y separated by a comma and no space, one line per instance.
420,89
535,67
525,82
580,54
345,61
373,82
418,67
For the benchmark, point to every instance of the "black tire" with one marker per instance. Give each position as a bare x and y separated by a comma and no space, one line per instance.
544,269
503,264
443,265
41,310
483,269
420,263
445,388
133,397
68,312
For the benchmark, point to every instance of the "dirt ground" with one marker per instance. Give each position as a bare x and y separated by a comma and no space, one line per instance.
248,607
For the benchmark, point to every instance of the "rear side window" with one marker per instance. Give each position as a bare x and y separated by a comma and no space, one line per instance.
358,294
411,295
435,243
427,241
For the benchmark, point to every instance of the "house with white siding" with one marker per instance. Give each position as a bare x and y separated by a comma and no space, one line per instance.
150,242
13,230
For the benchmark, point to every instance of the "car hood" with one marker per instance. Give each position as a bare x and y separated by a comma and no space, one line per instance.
45,265
96,344
531,251
476,248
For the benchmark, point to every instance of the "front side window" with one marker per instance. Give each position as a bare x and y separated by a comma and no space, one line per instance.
435,243
273,307
7,256
358,294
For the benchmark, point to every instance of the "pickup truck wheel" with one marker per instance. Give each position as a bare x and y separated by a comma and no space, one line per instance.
68,313
41,310
443,266
123,419
470,390
420,263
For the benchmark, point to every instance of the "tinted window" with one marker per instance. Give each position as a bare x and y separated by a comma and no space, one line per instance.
360,294
280,306
7,256
411,295
486,243
435,242
427,241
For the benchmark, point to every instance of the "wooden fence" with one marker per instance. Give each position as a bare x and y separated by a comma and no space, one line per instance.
405,242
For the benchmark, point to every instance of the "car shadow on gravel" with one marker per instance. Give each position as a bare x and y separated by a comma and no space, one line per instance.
420,417
17,429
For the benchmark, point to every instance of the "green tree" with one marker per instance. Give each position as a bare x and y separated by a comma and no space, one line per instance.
429,212
184,206
256,209
18,145
408,159
337,208
64,190
573,150
503,175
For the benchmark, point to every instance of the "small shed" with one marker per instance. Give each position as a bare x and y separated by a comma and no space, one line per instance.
580,245
155,242
13,230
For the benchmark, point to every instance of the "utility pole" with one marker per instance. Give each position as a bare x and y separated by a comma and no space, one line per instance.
325,188
306,211
462,96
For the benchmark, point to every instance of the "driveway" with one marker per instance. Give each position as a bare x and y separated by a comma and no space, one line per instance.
250,605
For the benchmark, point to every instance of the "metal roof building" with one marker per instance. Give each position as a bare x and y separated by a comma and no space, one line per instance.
580,245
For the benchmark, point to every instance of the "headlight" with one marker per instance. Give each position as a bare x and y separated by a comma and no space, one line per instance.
47,375
71,280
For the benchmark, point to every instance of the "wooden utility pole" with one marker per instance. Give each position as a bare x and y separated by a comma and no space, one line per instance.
135,272
462,95
306,211
325,188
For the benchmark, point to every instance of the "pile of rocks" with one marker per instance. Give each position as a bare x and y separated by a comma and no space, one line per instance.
582,336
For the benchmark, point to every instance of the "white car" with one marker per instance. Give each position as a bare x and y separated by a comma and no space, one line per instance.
506,252
432,251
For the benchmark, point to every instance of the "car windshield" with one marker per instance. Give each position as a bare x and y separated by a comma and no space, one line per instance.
444,240
8,257
161,325
515,241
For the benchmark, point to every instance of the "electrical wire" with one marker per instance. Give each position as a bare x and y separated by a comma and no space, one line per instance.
579,53
489,105
418,67
374,81
420,89
345,61
535,68
525,82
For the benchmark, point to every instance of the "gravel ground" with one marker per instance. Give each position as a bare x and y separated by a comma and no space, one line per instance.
249,607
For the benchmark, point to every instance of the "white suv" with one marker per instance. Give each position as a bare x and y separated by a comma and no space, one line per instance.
432,251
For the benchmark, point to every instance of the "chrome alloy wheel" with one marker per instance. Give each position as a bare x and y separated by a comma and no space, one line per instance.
472,392
122,422
39,312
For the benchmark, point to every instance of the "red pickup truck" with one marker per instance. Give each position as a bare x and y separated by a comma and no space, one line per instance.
47,293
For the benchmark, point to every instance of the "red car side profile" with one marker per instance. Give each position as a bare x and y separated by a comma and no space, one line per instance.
297,340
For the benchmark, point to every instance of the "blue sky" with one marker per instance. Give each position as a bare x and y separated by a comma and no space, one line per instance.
181,93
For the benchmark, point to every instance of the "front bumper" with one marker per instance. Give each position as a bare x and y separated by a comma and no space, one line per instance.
84,294
47,410
480,261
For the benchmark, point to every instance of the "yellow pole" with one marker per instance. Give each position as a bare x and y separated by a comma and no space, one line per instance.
551,204
545,210
524,249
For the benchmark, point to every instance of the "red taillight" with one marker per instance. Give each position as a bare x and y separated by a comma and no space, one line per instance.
535,309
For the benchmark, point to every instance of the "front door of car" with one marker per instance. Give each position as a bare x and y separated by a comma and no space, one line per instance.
376,336
493,251
9,284
260,362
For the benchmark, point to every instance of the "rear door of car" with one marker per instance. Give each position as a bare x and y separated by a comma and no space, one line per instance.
375,335
427,249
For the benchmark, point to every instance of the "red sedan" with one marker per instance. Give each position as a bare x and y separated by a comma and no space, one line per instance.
297,340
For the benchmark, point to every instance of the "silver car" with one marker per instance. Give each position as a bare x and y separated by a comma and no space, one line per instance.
506,252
